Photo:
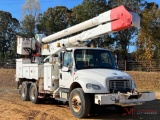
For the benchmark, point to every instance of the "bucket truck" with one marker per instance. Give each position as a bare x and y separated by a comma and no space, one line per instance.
59,66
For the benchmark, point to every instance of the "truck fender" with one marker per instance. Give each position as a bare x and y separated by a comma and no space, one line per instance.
82,83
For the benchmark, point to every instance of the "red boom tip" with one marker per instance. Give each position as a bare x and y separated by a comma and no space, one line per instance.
121,18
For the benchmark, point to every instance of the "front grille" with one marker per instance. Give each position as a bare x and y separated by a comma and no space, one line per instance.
119,86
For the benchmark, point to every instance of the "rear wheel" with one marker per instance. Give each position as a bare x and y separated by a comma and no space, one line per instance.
79,103
24,91
34,93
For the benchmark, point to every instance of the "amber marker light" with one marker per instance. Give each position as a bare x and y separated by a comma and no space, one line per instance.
58,45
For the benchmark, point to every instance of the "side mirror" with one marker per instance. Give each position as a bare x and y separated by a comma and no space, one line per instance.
60,65
65,69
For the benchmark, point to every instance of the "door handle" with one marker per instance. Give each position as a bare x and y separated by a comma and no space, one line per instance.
60,76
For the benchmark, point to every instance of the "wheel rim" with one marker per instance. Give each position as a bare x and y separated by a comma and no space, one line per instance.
76,103
33,93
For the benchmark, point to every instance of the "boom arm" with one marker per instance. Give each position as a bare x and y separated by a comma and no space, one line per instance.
118,19
111,21
108,22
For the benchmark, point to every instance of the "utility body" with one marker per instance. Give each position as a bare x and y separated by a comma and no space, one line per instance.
61,67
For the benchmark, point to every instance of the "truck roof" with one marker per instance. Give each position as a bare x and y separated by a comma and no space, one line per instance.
75,48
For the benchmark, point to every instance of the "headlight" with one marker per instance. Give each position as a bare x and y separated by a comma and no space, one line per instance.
94,86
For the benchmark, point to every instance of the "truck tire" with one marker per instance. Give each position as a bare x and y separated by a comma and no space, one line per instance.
24,91
79,103
33,93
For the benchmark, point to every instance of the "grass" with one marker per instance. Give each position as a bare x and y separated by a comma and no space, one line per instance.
145,81
148,81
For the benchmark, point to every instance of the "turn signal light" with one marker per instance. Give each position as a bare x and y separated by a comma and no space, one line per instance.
58,45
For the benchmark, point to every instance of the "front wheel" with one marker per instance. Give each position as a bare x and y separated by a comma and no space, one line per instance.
79,103
34,93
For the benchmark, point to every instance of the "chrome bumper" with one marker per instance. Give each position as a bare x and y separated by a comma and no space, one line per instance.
124,99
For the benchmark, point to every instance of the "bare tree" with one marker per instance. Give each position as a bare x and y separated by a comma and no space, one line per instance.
31,7
30,10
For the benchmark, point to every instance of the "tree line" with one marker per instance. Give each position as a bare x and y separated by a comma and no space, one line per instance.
145,38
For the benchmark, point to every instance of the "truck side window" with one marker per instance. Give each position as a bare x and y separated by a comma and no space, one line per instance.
67,59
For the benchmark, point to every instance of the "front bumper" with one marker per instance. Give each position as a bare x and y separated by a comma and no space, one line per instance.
124,99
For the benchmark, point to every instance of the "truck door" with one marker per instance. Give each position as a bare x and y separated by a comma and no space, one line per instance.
66,78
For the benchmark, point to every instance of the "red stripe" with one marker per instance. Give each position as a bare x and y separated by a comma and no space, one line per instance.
122,17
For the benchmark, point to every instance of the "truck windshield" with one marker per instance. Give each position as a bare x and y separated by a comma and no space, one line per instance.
93,58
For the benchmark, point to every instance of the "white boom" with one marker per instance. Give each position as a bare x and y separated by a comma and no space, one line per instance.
116,19
108,22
